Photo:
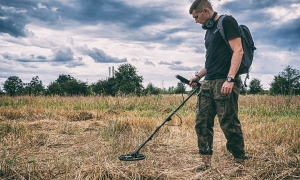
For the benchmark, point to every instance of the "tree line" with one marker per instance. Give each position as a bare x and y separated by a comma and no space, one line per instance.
127,81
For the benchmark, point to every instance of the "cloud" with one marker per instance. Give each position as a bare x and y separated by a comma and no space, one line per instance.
24,58
274,22
115,12
41,6
170,63
100,56
62,54
9,56
147,62
94,12
184,68
13,21
286,35
112,12
50,36
136,60
41,57
76,62
54,9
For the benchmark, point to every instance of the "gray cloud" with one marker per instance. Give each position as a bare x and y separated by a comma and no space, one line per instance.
147,62
62,54
145,26
286,35
170,63
14,17
136,60
130,20
184,68
65,55
9,56
115,12
13,21
254,5
100,56
41,57
76,62
84,12
255,13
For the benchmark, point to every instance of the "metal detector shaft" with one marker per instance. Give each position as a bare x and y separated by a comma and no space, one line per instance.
136,155
167,119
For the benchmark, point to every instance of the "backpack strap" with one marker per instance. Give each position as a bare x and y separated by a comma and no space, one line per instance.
221,30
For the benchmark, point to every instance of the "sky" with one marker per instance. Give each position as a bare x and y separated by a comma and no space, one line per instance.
83,38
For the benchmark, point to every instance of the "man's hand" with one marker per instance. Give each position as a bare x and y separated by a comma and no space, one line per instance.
193,81
227,87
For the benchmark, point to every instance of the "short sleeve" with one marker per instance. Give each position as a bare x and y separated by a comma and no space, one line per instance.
231,28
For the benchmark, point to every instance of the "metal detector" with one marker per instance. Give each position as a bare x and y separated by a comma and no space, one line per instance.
136,155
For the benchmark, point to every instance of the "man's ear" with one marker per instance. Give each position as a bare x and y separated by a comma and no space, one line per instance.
205,10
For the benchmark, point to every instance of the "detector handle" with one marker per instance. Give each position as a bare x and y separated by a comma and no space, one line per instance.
183,80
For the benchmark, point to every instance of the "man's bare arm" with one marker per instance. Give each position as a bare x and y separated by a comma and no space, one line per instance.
237,48
197,78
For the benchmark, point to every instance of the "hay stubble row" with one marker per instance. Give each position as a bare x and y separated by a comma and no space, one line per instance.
81,138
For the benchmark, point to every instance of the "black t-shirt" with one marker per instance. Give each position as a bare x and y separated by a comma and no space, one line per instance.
218,54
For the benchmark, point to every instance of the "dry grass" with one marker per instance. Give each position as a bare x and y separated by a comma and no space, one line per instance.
81,138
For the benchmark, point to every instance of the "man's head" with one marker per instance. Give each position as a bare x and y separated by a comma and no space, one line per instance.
201,10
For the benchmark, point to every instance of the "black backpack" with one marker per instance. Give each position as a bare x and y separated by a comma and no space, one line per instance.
248,47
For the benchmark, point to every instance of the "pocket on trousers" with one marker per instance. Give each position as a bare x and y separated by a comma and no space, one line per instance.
205,89
217,93
222,101
221,97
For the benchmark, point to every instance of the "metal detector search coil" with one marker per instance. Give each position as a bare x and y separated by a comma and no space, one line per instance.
136,156
132,157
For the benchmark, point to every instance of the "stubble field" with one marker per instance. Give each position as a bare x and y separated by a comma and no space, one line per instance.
82,137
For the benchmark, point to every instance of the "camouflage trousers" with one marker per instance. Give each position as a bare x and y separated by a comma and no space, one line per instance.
211,103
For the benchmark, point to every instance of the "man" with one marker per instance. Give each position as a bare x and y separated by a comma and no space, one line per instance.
220,89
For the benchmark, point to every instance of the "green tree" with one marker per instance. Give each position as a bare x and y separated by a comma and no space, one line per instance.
64,81
54,89
99,87
77,87
127,81
35,87
13,86
67,85
255,86
286,82
243,89
180,88
151,89
62,78
104,87
171,90
1,92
